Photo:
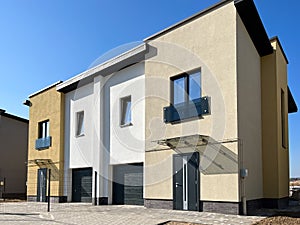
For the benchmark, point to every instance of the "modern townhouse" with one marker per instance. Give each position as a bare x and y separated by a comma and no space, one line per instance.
194,118
224,110
13,149
46,145
105,131
89,131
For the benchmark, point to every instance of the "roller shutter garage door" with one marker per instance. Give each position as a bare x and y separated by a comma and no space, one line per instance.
82,185
128,184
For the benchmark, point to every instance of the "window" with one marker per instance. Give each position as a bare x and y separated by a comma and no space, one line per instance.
186,87
44,128
283,128
125,111
80,123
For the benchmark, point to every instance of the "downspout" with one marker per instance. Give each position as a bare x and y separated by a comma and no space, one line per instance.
242,176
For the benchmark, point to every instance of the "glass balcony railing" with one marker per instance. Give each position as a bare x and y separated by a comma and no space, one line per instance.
187,110
43,143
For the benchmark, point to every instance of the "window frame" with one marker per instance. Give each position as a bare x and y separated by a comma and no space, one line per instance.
122,121
44,131
186,76
82,133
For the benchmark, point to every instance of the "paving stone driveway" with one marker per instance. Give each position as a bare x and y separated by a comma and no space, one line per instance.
78,213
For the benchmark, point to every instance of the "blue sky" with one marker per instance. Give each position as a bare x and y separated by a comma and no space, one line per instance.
42,42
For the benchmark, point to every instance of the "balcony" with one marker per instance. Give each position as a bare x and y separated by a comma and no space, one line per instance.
43,143
185,111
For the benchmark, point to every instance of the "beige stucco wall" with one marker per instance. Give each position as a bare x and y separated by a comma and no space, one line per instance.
47,105
159,185
269,126
249,112
208,42
13,150
283,153
275,157
220,185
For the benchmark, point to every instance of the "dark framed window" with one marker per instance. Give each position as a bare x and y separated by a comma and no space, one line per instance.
283,122
186,87
80,123
44,129
125,111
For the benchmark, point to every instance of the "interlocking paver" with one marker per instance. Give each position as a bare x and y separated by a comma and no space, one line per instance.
78,213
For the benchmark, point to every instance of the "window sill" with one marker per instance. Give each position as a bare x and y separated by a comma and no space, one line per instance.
80,135
42,149
126,125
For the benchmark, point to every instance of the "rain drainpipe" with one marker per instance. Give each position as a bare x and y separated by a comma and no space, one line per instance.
242,177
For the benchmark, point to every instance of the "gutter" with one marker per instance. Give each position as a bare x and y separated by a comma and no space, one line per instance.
134,55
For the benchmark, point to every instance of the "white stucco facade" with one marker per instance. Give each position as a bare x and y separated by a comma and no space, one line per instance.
127,144
81,147
104,142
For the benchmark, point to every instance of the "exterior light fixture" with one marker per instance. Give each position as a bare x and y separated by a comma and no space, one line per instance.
27,103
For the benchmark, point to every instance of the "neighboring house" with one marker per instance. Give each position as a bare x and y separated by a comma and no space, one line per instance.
13,149
194,118
105,131
46,145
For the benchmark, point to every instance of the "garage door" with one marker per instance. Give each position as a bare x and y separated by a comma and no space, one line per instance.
128,184
82,185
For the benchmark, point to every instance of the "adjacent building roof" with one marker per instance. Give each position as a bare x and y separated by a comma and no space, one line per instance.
4,113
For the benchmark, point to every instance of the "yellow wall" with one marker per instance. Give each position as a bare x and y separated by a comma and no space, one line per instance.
47,105
209,42
283,153
275,157
249,112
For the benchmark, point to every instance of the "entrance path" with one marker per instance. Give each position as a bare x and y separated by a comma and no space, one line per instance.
78,213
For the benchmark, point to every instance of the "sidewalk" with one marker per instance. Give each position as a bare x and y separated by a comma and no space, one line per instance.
78,213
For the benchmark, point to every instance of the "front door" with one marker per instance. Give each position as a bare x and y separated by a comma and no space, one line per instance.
41,185
186,186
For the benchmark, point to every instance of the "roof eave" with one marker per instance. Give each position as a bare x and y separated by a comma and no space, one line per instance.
252,21
292,106
187,20
280,46
134,55
44,89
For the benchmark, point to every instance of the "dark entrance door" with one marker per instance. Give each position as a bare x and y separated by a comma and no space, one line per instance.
41,185
128,184
186,188
82,185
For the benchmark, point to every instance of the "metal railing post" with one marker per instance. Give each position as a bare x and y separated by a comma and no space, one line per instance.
49,183
4,180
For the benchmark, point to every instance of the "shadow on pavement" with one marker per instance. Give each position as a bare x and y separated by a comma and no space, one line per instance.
20,214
